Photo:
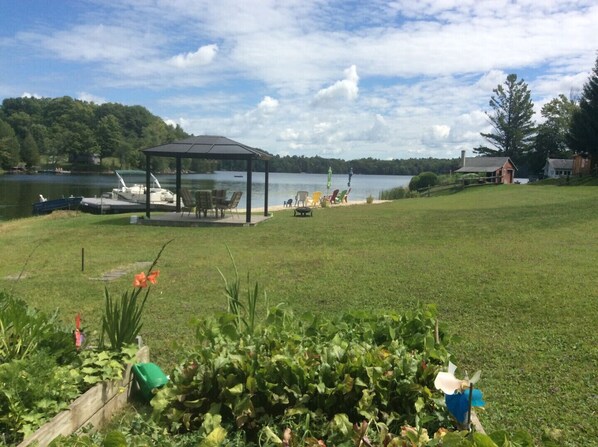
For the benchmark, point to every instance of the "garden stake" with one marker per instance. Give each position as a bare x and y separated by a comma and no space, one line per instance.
469,411
82,259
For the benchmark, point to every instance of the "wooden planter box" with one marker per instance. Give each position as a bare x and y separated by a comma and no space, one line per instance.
94,408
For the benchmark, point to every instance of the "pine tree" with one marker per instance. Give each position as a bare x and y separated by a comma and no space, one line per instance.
512,121
583,133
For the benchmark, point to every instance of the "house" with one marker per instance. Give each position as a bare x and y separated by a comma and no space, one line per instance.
582,165
494,169
558,167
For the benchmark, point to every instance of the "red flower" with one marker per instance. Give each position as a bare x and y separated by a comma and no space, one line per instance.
153,276
140,280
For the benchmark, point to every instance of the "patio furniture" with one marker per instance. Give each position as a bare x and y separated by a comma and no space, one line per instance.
203,199
301,198
315,200
342,197
233,203
332,198
219,200
188,202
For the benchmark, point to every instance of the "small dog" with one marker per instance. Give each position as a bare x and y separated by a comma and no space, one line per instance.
288,203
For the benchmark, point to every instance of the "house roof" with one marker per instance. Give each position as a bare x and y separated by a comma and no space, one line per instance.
560,163
208,146
484,164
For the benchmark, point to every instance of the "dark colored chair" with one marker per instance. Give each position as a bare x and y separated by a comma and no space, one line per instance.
188,202
233,203
203,202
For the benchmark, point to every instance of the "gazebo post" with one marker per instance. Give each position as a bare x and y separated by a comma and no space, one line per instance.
248,207
266,180
147,185
178,184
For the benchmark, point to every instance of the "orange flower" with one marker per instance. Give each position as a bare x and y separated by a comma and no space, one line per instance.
140,280
153,276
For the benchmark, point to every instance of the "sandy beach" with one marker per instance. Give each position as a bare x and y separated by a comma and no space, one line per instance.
281,207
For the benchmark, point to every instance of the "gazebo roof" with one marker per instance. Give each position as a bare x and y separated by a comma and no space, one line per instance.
208,146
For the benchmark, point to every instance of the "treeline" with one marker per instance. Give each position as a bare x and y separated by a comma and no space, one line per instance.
319,165
70,133
67,131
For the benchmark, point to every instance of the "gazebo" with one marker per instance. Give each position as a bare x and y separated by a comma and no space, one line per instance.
208,147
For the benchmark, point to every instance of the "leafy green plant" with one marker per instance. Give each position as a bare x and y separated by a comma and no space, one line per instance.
23,329
121,322
309,372
244,313
35,389
395,193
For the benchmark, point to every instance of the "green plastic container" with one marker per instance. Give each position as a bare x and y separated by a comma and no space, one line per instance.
149,376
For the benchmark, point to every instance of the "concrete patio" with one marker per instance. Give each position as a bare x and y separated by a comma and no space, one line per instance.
189,220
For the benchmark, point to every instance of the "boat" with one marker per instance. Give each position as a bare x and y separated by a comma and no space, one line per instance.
137,192
127,199
45,206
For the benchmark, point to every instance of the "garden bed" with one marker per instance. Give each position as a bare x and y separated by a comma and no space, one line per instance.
94,408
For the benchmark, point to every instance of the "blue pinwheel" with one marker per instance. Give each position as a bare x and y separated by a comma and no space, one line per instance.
460,395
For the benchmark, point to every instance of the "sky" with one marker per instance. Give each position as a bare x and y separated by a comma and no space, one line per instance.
338,79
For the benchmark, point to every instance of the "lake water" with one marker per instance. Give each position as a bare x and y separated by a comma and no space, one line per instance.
19,191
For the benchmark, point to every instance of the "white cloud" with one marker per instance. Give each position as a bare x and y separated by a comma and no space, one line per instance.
268,105
88,97
31,95
426,68
203,56
341,91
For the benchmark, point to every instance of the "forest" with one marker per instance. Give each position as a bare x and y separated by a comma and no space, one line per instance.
82,136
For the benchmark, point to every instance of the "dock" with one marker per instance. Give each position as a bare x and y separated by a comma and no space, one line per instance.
103,205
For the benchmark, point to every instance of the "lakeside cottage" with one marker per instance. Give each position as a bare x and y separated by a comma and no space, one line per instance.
558,167
495,169
562,167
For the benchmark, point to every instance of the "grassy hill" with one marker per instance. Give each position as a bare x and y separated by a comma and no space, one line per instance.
512,269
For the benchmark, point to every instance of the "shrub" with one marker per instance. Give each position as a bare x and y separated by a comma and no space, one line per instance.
423,180
395,193
310,373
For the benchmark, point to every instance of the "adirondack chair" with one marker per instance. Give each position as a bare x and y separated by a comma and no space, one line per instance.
332,197
301,198
343,196
315,200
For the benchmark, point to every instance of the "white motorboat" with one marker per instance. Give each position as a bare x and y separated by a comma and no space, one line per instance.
137,192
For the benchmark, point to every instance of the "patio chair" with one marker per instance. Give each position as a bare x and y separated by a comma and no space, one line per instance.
233,203
203,199
219,200
342,197
332,197
315,200
188,202
301,197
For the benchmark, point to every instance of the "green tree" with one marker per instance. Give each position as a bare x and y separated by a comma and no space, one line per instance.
108,136
511,118
9,146
583,133
551,138
29,151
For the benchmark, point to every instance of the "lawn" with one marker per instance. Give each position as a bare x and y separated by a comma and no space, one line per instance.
511,268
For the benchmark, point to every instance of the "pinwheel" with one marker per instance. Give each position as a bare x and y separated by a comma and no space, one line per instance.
460,395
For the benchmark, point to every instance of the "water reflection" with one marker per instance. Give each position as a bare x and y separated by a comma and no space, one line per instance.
19,191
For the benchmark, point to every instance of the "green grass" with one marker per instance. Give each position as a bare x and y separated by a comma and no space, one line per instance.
512,269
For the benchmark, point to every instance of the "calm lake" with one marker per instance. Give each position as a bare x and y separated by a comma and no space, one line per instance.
19,191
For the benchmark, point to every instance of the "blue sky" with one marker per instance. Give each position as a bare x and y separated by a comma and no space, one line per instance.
341,79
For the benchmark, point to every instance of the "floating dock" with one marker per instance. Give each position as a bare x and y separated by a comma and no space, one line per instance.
110,206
